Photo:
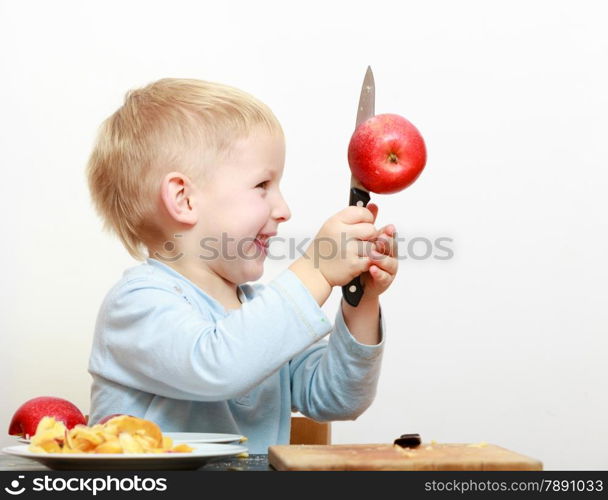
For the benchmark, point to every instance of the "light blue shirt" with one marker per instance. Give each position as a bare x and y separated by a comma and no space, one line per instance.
167,351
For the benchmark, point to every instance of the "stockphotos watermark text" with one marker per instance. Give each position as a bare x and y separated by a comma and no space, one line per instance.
228,248
93,485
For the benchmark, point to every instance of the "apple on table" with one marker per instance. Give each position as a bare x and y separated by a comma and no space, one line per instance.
29,414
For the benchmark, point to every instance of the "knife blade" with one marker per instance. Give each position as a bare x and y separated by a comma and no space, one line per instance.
359,196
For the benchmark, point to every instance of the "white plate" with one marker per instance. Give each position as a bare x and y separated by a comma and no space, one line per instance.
203,437
188,437
202,453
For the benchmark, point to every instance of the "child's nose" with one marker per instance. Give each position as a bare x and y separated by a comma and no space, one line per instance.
282,212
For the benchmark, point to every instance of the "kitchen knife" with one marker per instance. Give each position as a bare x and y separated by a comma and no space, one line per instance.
359,196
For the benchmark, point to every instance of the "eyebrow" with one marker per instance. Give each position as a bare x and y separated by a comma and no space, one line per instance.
267,172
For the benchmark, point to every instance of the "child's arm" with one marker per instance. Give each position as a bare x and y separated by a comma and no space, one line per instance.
312,279
362,321
151,337
337,380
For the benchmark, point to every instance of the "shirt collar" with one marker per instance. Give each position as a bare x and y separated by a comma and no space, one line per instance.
169,270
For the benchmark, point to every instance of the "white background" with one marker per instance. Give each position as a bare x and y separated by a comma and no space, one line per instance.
504,343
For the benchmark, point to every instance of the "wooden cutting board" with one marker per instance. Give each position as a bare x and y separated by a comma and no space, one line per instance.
429,456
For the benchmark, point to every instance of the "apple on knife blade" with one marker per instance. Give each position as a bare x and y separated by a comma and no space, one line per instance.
386,154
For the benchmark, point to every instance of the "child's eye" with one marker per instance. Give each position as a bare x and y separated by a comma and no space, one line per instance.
262,184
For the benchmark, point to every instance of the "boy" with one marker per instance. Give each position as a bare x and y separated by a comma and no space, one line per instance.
189,171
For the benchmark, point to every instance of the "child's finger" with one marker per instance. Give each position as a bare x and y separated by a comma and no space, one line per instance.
356,214
379,274
364,232
364,263
386,244
384,262
373,208
390,230
394,249
382,245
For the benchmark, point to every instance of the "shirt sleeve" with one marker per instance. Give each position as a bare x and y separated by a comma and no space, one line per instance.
337,379
149,338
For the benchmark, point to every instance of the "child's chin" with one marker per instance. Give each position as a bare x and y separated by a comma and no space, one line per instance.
254,270
258,274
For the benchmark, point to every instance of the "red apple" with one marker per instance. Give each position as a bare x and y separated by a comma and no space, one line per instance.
26,418
386,153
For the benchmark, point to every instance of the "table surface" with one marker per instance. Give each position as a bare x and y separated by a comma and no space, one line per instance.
252,463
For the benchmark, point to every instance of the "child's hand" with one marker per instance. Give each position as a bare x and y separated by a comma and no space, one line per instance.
384,262
341,247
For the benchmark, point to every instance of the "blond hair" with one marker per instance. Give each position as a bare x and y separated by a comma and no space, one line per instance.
172,124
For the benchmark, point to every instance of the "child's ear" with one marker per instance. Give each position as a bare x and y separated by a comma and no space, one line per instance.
177,194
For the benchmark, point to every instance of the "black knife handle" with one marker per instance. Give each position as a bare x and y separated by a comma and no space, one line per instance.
358,197
353,291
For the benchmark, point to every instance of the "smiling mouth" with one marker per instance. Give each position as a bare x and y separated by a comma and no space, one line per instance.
262,241
262,245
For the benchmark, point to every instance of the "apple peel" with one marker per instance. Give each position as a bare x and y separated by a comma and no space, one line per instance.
122,434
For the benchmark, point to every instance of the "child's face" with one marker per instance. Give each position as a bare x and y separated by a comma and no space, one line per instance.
241,202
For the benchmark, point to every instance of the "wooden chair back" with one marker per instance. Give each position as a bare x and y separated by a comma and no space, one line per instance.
306,431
